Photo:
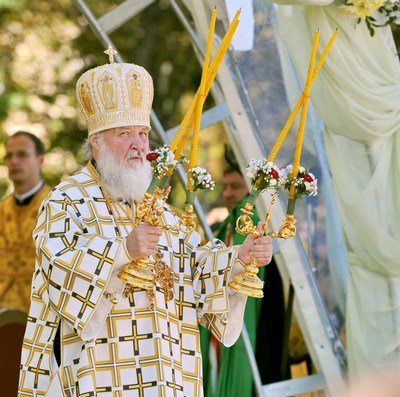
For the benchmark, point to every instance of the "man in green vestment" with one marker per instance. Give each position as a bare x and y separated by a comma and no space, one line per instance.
227,371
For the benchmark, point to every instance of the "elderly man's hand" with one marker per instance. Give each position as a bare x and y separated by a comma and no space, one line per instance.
142,241
259,248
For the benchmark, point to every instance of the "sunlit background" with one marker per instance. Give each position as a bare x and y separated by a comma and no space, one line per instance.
44,48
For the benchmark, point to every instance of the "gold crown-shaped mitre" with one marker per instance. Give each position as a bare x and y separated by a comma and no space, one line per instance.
115,95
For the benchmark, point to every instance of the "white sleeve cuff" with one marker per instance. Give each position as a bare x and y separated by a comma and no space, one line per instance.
115,284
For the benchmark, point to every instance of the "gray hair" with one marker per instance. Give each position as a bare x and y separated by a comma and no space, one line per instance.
87,148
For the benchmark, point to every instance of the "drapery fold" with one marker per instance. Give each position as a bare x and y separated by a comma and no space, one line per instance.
357,95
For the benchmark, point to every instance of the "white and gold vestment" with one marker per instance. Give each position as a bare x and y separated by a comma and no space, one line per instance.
112,345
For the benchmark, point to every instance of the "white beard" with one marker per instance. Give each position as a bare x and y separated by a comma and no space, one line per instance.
121,181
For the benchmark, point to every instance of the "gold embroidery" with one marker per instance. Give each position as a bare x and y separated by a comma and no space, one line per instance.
86,101
108,91
135,90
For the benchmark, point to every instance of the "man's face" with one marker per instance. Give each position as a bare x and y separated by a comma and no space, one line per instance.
23,164
120,154
234,189
128,145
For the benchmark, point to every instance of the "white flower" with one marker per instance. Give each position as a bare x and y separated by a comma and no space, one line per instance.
311,188
263,174
170,157
201,178
253,167
163,159
306,182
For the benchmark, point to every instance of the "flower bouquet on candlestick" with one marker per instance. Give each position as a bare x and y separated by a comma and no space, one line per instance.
264,174
292,179
198,179
163,162
305,183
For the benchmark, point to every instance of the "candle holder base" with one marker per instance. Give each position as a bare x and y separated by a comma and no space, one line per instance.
137,274
248,282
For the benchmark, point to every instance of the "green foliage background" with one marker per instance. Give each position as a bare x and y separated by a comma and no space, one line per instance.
46,45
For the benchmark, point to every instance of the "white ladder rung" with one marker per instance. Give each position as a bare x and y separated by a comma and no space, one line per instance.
291,387
121,14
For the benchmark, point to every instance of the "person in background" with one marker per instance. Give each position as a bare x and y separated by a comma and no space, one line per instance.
227,372
117,339
18,212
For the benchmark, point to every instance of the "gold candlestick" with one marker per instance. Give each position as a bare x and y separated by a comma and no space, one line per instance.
137,273
248,282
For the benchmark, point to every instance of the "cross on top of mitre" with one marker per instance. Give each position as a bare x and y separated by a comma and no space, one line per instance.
110,52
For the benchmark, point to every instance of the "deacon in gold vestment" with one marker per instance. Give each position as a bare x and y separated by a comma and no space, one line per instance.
18,214
117,342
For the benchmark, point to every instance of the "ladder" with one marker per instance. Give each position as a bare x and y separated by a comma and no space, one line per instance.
234,109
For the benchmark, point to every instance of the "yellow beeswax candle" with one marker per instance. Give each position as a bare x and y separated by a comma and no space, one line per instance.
289,122
212,72
219,56
200,101
187,118
207,55
183,126
179,141
285,130
303,115
324,54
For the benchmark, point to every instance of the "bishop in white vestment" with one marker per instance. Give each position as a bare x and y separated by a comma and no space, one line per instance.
116,341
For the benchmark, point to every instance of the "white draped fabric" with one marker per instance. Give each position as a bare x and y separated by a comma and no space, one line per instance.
357,95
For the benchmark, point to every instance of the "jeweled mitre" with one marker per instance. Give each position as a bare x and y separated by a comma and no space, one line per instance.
115,95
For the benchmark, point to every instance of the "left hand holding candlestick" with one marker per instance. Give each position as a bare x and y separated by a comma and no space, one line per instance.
255,251
256,246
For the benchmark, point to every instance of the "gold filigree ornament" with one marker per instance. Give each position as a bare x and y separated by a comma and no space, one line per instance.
287,229
244,224
164,276
248,282
187,221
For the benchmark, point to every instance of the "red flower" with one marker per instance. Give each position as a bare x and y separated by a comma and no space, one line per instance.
308,178
274,173
152,156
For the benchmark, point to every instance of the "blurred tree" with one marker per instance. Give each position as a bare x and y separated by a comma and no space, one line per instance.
46,45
